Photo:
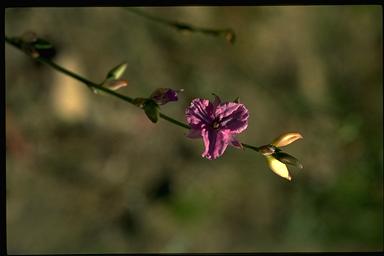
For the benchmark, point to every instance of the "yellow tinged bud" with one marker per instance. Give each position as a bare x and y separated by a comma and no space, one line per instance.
278,167
117,71
286,139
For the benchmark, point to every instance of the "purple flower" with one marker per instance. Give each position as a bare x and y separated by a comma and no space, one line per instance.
164,95
217,123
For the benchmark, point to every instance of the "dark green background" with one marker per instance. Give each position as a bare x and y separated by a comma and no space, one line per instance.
89,173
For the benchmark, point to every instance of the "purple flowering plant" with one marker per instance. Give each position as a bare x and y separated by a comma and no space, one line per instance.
216,122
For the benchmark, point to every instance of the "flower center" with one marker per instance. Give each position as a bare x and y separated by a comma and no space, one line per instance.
215,125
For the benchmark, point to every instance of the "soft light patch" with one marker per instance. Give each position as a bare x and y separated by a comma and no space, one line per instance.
69,97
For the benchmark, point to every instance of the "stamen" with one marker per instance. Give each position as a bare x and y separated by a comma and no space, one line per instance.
215,125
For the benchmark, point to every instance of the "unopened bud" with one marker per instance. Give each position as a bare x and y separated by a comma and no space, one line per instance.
117,72
286,139
278,167
164,95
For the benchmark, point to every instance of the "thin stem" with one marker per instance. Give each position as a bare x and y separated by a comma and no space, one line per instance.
174,121
149,17
250,147
228,33
92,84
104,89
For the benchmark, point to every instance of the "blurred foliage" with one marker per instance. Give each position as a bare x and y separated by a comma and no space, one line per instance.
89,173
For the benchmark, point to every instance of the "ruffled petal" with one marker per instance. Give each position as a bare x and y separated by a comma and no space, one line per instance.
233,116
215,142
199,113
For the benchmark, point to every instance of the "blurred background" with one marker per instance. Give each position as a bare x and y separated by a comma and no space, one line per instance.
90,173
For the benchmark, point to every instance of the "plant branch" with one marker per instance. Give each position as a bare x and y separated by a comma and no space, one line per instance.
181,26
104,89
250,147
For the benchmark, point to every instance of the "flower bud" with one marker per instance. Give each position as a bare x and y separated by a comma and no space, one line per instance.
286,139
278,167
164,95
117,72
287,159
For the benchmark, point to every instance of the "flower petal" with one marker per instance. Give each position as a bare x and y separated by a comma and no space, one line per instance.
233,116
199,112
215,142
278,167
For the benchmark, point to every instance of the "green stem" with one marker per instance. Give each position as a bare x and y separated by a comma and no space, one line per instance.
104,89
250,147
183,26
174,121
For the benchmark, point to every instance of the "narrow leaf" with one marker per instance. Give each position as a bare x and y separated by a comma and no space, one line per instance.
164,95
